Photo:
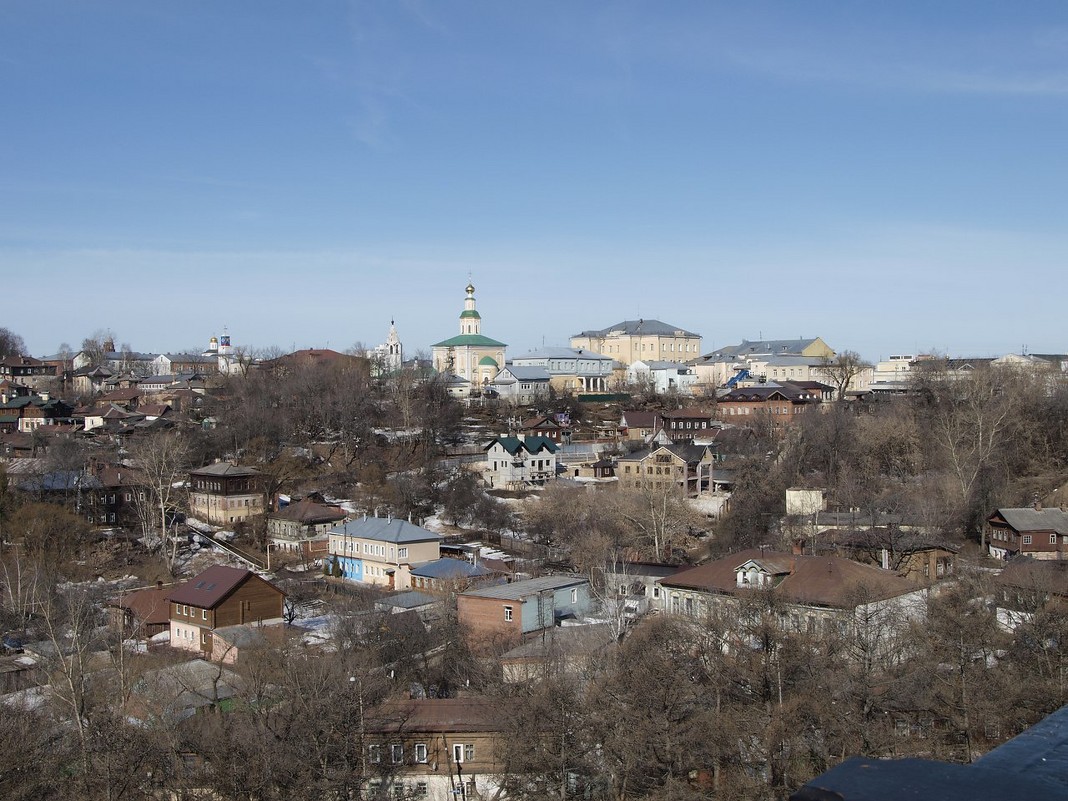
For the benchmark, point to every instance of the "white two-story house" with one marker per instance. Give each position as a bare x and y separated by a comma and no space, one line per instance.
515,462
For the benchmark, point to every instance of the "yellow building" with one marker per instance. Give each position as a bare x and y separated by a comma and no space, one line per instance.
644,340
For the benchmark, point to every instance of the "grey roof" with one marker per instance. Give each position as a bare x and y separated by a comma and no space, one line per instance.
654,327
519,590
570,640
793,360
522,374
412,599
384,529
446,568
242,636
764,346
562,353
224,469
1030,519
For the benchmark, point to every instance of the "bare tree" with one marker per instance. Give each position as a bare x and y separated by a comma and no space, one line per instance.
842,369
11,344
97,346
162,460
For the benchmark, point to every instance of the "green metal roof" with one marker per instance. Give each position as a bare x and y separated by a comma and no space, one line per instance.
468,313
488,361
470,340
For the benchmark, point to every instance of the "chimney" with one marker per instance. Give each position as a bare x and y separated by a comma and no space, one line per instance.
798,547
1038,503
159,585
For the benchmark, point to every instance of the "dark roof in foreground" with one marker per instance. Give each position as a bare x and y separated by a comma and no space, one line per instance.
433,715
209,588
1032,765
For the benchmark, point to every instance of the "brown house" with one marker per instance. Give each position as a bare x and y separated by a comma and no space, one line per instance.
545,426
221,596
779,404
1031,531
302,528
435,748
683,465
141,613
225,493
686,424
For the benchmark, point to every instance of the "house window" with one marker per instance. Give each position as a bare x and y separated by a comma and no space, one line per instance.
203,614
420,753
374,754
421,789
508,613
1026,539
574,596
462,752
402,553
396,752
1052,539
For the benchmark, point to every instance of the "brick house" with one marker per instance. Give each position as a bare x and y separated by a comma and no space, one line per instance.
511,612
778,404
219,597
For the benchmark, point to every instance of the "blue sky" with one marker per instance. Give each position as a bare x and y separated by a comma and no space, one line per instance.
889,176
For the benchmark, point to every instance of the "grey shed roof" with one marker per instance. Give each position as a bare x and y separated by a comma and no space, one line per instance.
519,590
523,374
384,529
562,353
1030,519
446,568
653,327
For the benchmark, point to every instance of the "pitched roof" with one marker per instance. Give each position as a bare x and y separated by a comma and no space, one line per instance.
228,469
521,374
529,444
749,347
469,340
209,588
1042,575
820,580
308,511
1030,519
686,451
563,353
438,715
384,529
409,599
446,568
631,327
518,590
149,605
635,419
